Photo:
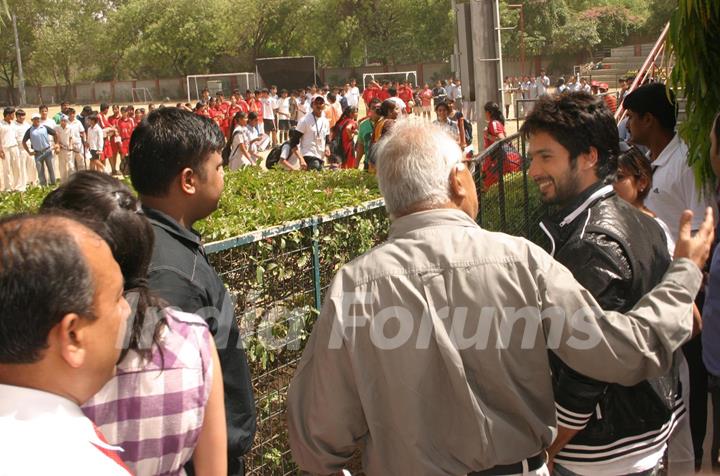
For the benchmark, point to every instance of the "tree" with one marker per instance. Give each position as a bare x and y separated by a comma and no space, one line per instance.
694,42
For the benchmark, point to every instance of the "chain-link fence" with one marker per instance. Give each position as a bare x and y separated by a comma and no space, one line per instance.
278,277
508,201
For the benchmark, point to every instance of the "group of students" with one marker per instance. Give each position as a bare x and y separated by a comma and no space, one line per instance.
67,142
119,350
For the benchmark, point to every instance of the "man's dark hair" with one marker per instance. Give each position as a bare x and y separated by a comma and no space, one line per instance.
41,107
577,121
392,91
252,116
43,277
331,97
166,142
654,99
8,110
86,110
70,110
93,117
104,107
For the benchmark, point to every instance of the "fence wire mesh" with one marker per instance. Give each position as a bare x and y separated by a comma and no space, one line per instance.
278,279
277,283
508,201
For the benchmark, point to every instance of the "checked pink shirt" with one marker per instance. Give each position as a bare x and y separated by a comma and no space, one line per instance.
154,409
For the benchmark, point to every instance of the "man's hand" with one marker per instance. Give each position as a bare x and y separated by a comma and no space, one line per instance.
327,152
696,248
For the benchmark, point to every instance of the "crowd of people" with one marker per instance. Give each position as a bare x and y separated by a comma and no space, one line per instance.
120,352
45,149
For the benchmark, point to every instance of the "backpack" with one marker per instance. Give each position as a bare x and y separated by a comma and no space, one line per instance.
226,150
467,125
274,156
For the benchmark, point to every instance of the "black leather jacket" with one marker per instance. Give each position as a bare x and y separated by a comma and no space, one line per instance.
619,254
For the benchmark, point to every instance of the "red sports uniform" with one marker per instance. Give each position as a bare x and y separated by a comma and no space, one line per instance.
125,128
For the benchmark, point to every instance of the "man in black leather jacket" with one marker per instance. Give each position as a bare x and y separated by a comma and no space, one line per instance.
619,254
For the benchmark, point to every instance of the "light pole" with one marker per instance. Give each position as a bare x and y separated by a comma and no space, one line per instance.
21,76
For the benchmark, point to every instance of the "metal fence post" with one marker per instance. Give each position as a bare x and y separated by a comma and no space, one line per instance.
316,264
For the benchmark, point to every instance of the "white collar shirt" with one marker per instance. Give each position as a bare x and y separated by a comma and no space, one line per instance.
353,96
314,130
44,433
8,137
65,136
20,128
674,188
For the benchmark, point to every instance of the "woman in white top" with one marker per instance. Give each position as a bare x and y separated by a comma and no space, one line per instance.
633,183
240,154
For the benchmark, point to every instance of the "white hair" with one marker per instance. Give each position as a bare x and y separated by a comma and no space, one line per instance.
414,162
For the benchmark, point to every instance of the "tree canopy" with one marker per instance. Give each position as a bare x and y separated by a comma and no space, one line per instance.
66,41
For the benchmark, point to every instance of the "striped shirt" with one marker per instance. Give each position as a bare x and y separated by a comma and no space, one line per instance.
154,408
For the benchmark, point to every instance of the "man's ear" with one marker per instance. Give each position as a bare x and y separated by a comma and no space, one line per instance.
188,181
457,189
70,335
589,160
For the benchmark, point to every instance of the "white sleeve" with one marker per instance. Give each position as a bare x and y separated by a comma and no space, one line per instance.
693,198
302,126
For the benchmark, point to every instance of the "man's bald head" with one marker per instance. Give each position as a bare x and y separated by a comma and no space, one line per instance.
44,275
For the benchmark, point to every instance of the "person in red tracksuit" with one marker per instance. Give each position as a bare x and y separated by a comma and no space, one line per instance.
125,126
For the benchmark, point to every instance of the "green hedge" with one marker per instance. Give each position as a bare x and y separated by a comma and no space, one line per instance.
518,221
255,198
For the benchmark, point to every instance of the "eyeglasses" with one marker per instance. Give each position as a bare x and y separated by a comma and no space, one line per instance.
470,164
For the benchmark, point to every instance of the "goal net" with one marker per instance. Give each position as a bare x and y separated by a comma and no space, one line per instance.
391,76
224,83
141,95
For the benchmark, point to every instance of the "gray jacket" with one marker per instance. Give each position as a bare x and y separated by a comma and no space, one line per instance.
418,357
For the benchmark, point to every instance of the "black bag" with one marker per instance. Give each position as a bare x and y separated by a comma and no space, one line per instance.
226,150
274,156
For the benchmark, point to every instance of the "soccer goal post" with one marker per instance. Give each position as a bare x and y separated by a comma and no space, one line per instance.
141,95
214,83
391,76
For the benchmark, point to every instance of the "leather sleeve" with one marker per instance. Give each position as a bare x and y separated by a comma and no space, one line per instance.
575,395
601,266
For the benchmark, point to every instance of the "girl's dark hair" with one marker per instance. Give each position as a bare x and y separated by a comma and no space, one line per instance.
113,208
385,108
349,111
635,163
495,112
236,118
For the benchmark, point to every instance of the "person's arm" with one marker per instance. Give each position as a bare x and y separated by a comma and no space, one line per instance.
26,138
210,455
461,133
575,399
631,347
324,414
240,414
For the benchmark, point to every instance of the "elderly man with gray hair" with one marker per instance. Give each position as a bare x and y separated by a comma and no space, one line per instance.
417,357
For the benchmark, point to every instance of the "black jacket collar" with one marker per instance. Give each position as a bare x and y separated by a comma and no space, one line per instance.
559,226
